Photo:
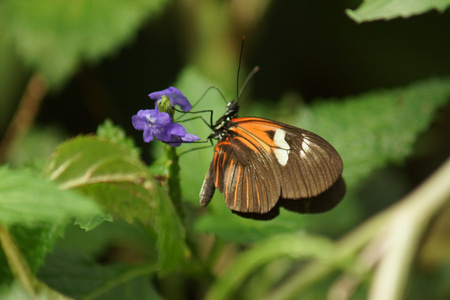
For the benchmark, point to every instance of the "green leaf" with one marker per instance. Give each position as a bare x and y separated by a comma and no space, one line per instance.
375,129
80,278
55,36
26,199
294,246
371,10
91,222
17,291
115,134
36,211
87,160
230,227
34,244
123,185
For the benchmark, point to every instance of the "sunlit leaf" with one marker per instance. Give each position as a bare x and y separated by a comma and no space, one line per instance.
371,10
113,133
25,199
91,222
123,185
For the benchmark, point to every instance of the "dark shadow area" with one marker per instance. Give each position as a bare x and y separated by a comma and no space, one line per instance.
314,205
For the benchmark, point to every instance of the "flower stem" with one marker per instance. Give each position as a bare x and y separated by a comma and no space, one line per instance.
173,181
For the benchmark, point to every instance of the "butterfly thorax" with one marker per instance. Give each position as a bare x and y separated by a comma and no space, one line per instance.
222,126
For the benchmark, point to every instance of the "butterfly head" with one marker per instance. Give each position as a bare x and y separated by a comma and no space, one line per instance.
232,109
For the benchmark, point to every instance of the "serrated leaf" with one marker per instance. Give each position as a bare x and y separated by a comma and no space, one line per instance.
123,185
91,222
54,36
117,135
26,199
87,160
108,172
377,128
371,10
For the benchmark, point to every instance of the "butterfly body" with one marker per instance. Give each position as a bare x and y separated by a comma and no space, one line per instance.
259,161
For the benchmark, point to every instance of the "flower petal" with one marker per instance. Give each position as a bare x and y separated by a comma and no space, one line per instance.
189,137
148,135
177,129
175,96
161,119
138,123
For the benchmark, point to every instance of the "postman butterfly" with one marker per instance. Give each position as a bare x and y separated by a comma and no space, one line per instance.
259,162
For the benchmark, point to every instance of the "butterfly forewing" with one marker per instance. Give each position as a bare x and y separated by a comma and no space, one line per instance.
312,167
261,161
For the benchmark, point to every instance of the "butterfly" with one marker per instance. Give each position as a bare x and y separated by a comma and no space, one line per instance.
259,162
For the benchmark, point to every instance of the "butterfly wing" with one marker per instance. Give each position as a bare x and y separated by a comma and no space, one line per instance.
244,176
262,161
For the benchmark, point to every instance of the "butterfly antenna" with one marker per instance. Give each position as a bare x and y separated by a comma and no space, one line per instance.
255,69
253,72
239,67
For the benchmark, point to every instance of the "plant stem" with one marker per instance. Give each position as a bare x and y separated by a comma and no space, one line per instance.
29,104
17,264
406,228
174,179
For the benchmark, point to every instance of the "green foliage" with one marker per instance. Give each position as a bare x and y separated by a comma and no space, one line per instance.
371,10
117,135
53,37
91,222
34,243
91,280
294,246
17,291
383,124
26,199
123,186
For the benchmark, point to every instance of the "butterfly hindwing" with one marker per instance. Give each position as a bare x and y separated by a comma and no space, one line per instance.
242,173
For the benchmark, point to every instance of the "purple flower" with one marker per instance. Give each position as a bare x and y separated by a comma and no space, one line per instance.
175,97
159,125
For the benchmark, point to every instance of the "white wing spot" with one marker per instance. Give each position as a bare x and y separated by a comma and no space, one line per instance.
282,147
305,147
